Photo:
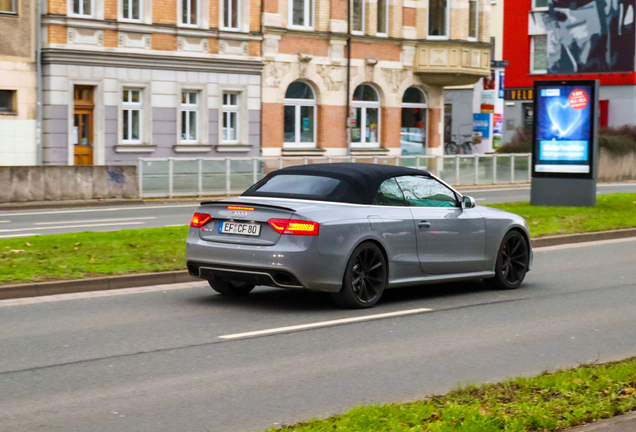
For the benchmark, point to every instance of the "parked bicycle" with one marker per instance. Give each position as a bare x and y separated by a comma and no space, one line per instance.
465,146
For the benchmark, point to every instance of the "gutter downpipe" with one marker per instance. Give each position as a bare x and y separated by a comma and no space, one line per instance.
348,113
38,54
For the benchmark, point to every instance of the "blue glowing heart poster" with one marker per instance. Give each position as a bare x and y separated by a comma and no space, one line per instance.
564,129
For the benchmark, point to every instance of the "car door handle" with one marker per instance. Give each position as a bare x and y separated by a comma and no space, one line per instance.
423,224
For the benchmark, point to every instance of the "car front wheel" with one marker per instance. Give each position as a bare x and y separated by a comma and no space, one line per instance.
365,278
231,288
512,262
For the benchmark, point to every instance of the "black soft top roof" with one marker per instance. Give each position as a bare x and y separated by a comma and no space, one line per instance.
362,180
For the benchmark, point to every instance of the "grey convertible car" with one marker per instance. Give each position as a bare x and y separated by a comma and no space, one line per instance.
354,230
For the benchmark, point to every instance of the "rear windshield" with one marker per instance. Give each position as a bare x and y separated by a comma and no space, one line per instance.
301,186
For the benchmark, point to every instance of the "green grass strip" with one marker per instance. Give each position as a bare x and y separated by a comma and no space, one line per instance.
549,402
612,212
91,254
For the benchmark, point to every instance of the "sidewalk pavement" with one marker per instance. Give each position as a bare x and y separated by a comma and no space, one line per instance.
623,423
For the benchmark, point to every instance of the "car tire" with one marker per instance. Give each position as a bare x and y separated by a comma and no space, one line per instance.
512,262
365,278
234,289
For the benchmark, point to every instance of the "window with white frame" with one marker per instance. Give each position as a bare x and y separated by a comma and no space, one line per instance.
438,18
132,113
131,10
473,19
9,6
230,117
189,117
365,117
540,4
413,130
83,7
383,17
231,14
301,13
539,54
189,12
300,116
357,16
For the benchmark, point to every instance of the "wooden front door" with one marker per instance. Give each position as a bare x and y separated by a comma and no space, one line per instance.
83,125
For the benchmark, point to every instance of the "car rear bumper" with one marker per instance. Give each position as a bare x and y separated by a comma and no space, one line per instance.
293,262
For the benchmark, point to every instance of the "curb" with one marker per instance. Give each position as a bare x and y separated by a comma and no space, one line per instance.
172,277
94,284
583,237
40,205
622,423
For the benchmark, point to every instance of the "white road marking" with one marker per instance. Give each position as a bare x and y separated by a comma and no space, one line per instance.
325,323
178,225
584,244
95,294
97,220
70,226
17,235
5,221
100,209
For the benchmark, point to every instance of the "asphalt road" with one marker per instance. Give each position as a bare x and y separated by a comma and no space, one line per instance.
25,223
173,358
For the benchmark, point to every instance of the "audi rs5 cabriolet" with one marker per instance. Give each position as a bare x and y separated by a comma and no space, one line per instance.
354,230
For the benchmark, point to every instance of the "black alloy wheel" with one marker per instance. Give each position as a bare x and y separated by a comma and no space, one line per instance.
234,289
512,262
365,278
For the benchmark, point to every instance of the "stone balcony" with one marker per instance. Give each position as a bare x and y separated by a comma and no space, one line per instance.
452,63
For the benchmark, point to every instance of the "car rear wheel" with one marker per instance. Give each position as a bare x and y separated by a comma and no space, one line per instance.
231,288
365,278
512,262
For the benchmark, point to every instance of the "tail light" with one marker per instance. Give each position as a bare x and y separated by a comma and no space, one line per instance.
200,219
294,227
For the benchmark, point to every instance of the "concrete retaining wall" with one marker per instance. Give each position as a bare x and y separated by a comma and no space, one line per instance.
59,183
616,168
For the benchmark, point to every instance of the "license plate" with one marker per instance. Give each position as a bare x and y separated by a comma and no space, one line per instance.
248,229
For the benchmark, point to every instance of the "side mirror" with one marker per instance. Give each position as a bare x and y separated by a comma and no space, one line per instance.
469,202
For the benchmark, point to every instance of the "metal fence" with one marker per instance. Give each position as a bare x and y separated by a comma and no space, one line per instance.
171,177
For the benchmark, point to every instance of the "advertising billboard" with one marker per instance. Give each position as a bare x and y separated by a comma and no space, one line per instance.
564,129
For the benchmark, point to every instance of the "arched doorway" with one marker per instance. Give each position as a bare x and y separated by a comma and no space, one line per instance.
300,116
414,122
365,119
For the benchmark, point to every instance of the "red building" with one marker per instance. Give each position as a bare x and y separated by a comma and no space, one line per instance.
570,39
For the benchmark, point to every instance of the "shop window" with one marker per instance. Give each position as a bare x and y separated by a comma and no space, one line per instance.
300,116
365,120
413,131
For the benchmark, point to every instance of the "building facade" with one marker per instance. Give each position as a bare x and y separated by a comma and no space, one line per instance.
547,40
17,82
402,55
459,102
125,79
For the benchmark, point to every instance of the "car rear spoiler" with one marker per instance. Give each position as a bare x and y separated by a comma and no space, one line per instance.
244,203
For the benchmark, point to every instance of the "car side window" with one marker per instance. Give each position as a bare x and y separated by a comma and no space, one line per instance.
426,192
389,194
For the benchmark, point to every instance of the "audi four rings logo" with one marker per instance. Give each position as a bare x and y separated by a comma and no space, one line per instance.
239,214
